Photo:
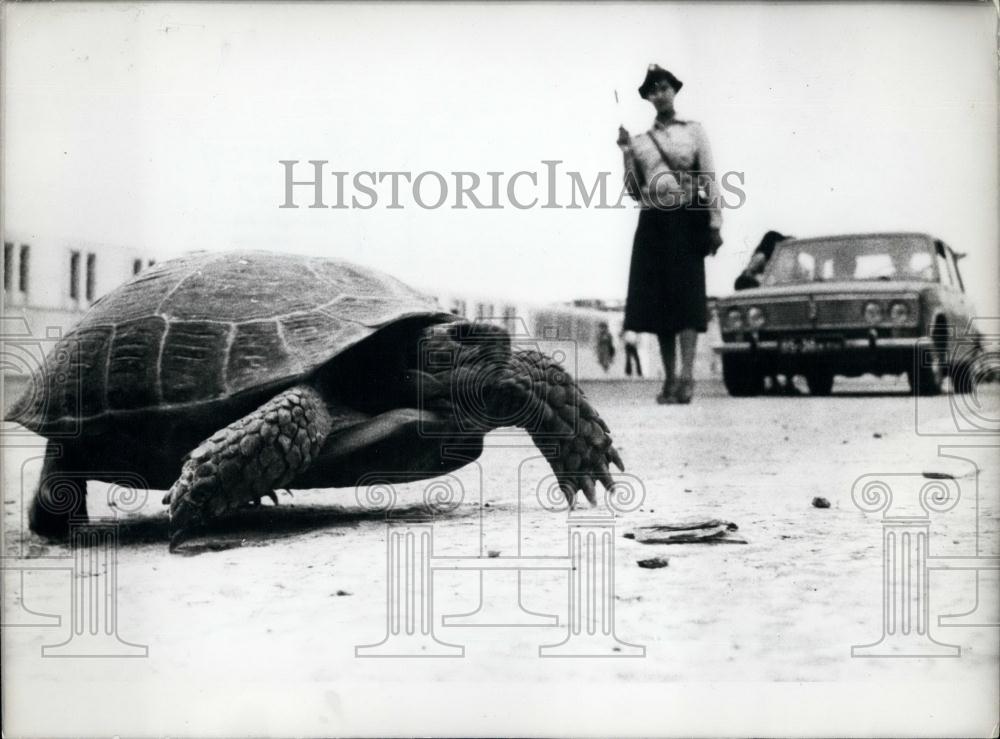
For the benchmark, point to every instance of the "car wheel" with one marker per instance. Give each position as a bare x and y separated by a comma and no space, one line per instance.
963,374
741,377
819,382
927,376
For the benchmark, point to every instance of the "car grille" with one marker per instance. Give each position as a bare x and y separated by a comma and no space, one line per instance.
829,312
839,312
787,314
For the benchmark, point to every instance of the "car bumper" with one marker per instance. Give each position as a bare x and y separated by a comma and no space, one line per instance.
851,357
848,345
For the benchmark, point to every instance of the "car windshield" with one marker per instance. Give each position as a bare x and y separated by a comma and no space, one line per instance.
855,258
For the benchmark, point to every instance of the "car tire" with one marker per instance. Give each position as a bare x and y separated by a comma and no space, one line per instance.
741,376
819,382
927,377
963,375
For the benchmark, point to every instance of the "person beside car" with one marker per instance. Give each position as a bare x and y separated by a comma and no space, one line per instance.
750,276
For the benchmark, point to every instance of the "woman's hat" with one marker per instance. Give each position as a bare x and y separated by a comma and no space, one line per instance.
654,74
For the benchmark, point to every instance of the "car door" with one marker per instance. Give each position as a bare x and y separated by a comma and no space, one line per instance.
953,299
949,292
964,310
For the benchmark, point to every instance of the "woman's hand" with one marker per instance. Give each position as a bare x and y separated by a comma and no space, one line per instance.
714,241
624,138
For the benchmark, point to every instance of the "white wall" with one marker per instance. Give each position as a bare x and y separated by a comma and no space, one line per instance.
47,299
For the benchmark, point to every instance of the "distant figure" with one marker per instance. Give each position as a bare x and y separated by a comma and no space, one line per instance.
750,277
631,341
669,170
605,346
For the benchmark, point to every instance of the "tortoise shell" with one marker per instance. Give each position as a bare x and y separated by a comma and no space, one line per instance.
208,327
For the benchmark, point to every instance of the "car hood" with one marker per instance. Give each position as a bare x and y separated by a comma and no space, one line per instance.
858,288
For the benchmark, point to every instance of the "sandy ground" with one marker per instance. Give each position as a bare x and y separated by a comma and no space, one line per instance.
255,632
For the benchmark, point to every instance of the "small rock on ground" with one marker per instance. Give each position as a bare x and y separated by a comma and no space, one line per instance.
653,563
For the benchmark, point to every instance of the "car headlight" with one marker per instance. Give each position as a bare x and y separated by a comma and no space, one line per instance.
755,317
734,319
899,313
873,313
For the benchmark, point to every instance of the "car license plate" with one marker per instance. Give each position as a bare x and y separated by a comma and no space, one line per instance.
809,345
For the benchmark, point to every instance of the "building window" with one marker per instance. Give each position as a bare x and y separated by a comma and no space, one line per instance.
510,318
24,267
91,276
8,265
74,275
136,266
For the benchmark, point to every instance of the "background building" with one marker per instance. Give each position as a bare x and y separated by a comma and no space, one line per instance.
52,283
576,325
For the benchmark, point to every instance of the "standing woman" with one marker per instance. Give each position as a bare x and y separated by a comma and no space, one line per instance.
669,170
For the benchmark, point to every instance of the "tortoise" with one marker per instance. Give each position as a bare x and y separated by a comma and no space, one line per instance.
225,376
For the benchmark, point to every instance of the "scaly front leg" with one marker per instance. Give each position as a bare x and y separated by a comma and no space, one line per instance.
488,386
248,459
561,421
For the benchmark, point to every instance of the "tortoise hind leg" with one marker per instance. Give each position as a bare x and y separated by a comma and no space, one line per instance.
61,497
248,459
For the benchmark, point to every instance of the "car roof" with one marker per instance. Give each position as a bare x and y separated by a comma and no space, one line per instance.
850,237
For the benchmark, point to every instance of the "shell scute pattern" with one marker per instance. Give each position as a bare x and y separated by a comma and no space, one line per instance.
204,327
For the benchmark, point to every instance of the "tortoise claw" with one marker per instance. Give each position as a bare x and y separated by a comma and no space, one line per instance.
179,537
616,458
185,520
589,489
603,475
569,491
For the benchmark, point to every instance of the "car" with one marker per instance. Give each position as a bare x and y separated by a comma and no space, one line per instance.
883,303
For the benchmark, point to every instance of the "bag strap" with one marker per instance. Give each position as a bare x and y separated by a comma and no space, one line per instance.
663,154
666,162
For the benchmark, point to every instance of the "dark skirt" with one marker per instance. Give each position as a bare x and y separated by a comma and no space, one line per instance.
666,282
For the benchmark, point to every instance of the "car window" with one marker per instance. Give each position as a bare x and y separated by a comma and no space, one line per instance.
806,266
874,267
875,257
792,266
944,267
920,266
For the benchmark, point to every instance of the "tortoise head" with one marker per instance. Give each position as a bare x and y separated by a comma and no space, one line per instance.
457,369
444,401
